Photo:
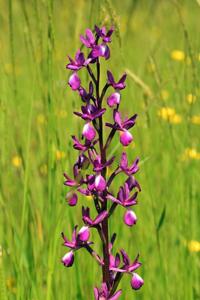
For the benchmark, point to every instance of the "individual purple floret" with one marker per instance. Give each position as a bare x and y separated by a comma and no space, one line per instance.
79,61
120,85
91,180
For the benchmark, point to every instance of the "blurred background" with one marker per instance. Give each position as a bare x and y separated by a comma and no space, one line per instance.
158,44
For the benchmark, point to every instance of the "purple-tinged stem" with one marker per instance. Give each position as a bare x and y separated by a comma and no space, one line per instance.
94,254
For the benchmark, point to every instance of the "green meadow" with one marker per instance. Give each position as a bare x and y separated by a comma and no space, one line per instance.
157,42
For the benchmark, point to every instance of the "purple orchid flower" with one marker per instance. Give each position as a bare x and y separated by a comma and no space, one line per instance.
123,196
90,176
89,39
79,61
84,95
124,165
96,161
120,85
103,293
127,267
90,112
100,51
79,239
101,33
123,126
92,223
83,147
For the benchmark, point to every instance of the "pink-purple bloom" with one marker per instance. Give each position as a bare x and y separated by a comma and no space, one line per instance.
130,218
89,132
78,62
114,99
90,178
136,281
74,81
68,259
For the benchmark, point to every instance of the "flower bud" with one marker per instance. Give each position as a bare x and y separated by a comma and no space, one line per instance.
74,81
130,218
126,138
113,99
72,198
89,132
84,234
100,183
136,281
68,259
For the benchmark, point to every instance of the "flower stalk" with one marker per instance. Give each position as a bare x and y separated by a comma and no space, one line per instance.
92,159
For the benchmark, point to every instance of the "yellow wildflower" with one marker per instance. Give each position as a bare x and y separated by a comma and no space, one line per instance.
164,94
195,120
178,55
194,246
17,161
166,112
169,114
191,98
175,119
60,154
191,153
11,284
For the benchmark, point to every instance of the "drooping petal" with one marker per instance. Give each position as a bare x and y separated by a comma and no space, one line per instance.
89,132
100,217
74,82
68,259
116,295
136,281
135,265
126,138
130,218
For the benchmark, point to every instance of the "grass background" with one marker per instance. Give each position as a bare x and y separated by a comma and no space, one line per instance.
36,122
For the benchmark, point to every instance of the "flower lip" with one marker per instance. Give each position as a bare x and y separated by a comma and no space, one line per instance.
100,183
74,81
68,259
113,99
72,198
126,138
89,132
130,218
136,281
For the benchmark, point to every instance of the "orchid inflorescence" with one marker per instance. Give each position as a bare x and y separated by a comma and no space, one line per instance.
90,170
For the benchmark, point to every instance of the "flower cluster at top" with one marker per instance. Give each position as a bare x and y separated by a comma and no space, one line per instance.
90,169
